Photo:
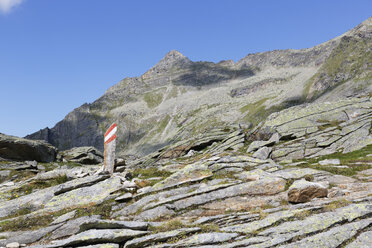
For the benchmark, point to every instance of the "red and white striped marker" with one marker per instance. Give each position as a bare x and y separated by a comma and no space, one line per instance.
110,134
110,146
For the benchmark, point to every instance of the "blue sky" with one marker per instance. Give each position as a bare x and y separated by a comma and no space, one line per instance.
57,55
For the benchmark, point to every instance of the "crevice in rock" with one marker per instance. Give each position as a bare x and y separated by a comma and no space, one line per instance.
345,243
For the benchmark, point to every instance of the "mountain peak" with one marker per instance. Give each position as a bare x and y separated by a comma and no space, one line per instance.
174,54
172,59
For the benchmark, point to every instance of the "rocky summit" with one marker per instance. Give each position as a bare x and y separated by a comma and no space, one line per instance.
274,150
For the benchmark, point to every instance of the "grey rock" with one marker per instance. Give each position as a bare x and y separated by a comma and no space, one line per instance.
255,145
98,236
93,223
206,239
64,218
71,227
125,197
154,238
158,212
330,162
304,191
79,183
4,174
266,186
262,153
94,194
106,245
13,245
364,240
315,223
82,155
40,167
248,228
31,236
12,147
332,238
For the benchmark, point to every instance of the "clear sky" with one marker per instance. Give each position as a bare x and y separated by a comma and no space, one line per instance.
57,55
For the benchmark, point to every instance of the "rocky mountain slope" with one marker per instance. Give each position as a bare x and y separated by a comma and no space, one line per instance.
272,151
179,98
302,178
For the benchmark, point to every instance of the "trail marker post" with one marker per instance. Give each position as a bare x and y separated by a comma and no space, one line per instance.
110,146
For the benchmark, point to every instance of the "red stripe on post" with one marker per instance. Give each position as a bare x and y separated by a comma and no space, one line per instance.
110,128
111,139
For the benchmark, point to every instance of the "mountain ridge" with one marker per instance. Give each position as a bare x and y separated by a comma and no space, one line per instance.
178,97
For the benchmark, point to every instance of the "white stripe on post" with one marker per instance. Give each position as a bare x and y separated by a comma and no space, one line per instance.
112,132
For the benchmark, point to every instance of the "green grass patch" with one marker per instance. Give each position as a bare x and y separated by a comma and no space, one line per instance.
38,221
327,124
37,184
168,226
163,124
153,99
150,172
351,171
349,159
336,204
27,223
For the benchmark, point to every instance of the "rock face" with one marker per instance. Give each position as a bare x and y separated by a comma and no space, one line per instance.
82,155
15,148
179,98
304,191
317,129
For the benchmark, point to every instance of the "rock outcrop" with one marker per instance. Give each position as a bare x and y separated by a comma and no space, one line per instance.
82,155
15,148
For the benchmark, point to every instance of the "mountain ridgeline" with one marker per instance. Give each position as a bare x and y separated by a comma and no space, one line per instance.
179,98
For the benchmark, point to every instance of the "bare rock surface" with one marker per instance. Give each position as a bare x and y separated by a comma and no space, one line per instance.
304,191
15,148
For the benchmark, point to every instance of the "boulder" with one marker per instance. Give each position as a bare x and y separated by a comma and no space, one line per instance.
303,191
82,155
16,148
262,153
330,162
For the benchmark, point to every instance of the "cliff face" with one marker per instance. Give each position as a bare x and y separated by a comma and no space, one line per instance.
179,98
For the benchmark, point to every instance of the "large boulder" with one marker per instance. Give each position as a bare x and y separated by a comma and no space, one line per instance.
16,148
82,155
304,191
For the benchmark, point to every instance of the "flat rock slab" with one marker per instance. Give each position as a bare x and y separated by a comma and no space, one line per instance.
95,236
190,173
330,162
71,227
206,239
112,224
304,191
314,223
65,217
106,245
266,186
158,237
332,238
31,236
79,183
364,240
84,196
